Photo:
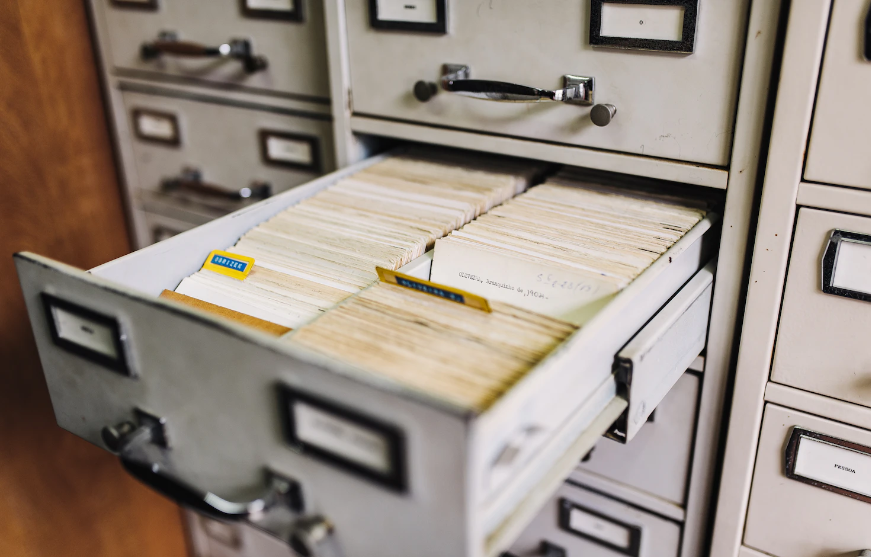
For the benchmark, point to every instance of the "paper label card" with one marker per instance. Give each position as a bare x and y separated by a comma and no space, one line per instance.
846,265
156,126
278,148
82,331
343,438
290,10
409,15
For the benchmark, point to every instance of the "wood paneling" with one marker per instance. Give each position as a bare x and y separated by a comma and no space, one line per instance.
59,496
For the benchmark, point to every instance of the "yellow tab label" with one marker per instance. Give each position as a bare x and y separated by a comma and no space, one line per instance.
229,264
434,289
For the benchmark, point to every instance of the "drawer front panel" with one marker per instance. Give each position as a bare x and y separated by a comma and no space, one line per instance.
295,50
839,142
583,522
822,341
657,460
231,147
791,518
686,116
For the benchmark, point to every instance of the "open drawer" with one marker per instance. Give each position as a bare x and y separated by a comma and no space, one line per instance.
209,393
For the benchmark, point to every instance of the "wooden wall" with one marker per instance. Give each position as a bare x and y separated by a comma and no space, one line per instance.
59,495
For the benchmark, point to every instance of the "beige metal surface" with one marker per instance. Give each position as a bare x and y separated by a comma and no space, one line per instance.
296,51
822,342
658,459
802,52
672,106
839,143
788,518
839,411
846,200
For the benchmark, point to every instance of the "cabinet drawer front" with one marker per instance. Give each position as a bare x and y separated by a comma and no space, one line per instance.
839,142
583,522
686,116
822,341
231,147
295,50
657,460
162,227
790,518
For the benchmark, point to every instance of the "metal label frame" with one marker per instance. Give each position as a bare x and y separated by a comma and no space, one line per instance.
313,141
565,512
395,480
684,46
791,456
148,5
295,14
174,141
830,262
118,365
439,27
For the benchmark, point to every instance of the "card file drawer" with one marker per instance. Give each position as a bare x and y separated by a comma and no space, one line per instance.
658,459
271,152
822,343
580,521
789,517
280,55
399,73
217,385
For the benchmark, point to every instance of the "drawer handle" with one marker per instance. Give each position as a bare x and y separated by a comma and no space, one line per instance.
455,79
132,445
191,181
167,43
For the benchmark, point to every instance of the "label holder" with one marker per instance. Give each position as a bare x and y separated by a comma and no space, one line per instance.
684,46
830,261
118,364
314,145
791,458
294,14
173,141
440,26
145,5
566,507
395,478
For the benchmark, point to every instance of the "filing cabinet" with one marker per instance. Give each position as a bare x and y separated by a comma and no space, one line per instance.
823,509
280,48
649,107
658,459
675,97
822,343
580,521
839,139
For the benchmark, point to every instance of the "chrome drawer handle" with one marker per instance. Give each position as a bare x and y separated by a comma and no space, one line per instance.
455,79
190,181
132,445
167,43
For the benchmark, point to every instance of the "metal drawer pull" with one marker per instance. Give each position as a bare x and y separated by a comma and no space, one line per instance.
133,445
455,79
167,43
191,181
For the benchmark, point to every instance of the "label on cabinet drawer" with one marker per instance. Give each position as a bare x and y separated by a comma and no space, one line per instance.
275,5
341,437
84,332
409,15
289,149
604,530
830,463
636,21
152,125
846,265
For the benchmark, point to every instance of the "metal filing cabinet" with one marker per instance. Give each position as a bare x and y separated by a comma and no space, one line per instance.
796,470
679,101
